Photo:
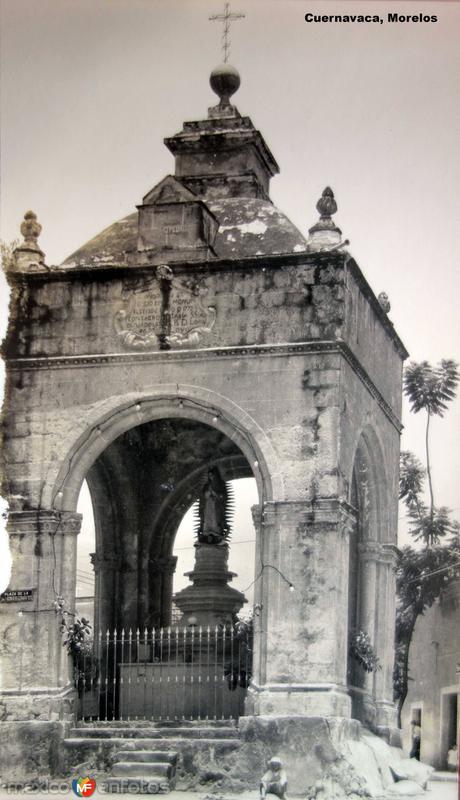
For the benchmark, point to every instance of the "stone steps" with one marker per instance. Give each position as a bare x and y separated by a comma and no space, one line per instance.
156,732
107,743
142,758
146,769
151,756
163,724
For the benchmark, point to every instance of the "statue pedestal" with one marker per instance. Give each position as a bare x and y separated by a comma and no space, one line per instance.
209,600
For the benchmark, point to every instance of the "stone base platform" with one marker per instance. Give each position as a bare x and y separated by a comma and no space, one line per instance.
30,749
324,757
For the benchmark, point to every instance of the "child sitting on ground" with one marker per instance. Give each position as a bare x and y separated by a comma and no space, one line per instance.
274,781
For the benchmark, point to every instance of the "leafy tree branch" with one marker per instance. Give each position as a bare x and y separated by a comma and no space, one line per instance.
423,574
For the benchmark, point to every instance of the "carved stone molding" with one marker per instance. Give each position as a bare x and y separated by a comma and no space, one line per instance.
171,314
52,522
105,562
163,564
158,356
323,512
378,551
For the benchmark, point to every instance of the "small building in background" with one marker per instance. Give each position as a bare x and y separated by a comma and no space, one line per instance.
434,682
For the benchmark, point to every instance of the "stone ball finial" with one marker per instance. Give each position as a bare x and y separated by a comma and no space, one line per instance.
31,229
326,204
225,80
384,302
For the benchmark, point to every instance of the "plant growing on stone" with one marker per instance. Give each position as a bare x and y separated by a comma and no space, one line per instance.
6,253
361,650
238,668
78,641
423,574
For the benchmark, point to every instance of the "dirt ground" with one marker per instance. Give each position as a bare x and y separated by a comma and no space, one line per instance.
435,791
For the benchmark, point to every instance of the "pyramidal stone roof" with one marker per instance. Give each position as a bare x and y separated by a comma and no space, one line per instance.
223,168
248,227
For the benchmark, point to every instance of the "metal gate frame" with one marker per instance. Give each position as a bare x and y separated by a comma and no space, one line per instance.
170,674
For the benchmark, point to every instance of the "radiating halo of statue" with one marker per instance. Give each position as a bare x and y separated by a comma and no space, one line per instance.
213,510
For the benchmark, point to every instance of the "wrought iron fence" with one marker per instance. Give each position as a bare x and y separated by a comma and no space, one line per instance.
167,674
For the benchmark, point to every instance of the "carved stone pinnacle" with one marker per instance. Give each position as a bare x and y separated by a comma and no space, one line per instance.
384,302
326,205
31,229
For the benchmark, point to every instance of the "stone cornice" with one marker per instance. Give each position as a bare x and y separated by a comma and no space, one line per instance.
105,562
163,564
376,307
301,348
108,271
322,511
378,551
43,521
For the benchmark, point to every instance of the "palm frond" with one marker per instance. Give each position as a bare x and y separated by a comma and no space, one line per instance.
411,478
431,388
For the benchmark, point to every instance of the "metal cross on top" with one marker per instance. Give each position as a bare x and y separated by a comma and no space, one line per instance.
226,18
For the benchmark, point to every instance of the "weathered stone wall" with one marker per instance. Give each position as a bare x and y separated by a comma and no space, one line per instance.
280,301
266,354
372,338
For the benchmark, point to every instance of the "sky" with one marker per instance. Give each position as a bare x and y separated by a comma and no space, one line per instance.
91,87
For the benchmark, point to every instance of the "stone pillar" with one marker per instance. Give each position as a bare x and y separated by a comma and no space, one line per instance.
128,605
161,575
369,553
106,567
368,558
301,631
168,564
377,618
386,613
34,665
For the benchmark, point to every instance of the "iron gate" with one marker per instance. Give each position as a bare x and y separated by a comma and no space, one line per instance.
169,674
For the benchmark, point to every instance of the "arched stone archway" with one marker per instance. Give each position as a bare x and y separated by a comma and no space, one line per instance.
371,582
141,486
119,414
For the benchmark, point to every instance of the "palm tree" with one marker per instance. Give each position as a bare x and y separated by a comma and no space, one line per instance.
429,389
423,574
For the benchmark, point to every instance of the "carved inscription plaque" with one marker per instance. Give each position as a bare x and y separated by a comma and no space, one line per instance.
171,315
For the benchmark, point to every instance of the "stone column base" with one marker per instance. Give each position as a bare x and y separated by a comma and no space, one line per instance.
45,705
30,750
387,723
311,700
33,725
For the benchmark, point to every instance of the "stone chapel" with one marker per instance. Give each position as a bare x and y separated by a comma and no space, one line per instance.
203,332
